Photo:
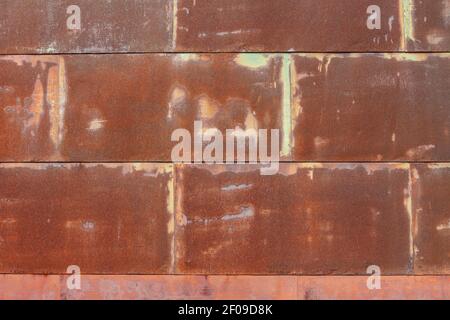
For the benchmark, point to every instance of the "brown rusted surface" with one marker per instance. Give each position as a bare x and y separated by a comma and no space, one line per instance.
429,28
32,103
307,219
29,287
182,287
111,108
431,209
282,25
125,107
392,288
371,107
105,218
40,26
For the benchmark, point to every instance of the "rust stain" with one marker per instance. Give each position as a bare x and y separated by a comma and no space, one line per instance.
295,221
245,25
114,119
105,218
371,107
432,218
431,25
106,26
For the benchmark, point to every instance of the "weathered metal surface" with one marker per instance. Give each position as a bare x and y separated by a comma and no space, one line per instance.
40,26
371,107
429,28
104,218
431,185
182,287
392,288
132,287
125,107
307,219
282,25
331,107
257,287
29,287
222,26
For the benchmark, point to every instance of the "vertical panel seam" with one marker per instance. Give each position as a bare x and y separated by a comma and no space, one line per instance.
406,23
171,226
411,220
287,99
174,24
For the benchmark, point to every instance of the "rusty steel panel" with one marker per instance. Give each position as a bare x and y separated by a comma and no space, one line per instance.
392,288
328,107
104,218
182,287
307,219
431,207
125,107
41,26
29,287
429,28
285,25
371,107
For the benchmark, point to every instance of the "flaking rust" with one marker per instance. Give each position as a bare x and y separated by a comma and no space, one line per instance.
431,204
105,218
131,104
33,103
372,107
245,25
429,27
41,26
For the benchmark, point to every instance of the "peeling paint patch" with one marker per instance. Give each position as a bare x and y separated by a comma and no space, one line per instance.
235,187
88,225
186,57
246,212
96,125
435,38
252,60
420,151
444,226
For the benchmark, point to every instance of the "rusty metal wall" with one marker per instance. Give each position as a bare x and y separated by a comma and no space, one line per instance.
86,172
39,26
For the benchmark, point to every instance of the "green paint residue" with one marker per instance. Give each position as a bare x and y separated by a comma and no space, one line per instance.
252,60
407,22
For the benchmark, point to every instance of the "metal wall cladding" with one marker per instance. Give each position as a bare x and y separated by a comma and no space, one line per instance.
237,25
346,107
125,107
372,107
432,218
307,219
430,25
364,139
223,26
40,26
104,218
